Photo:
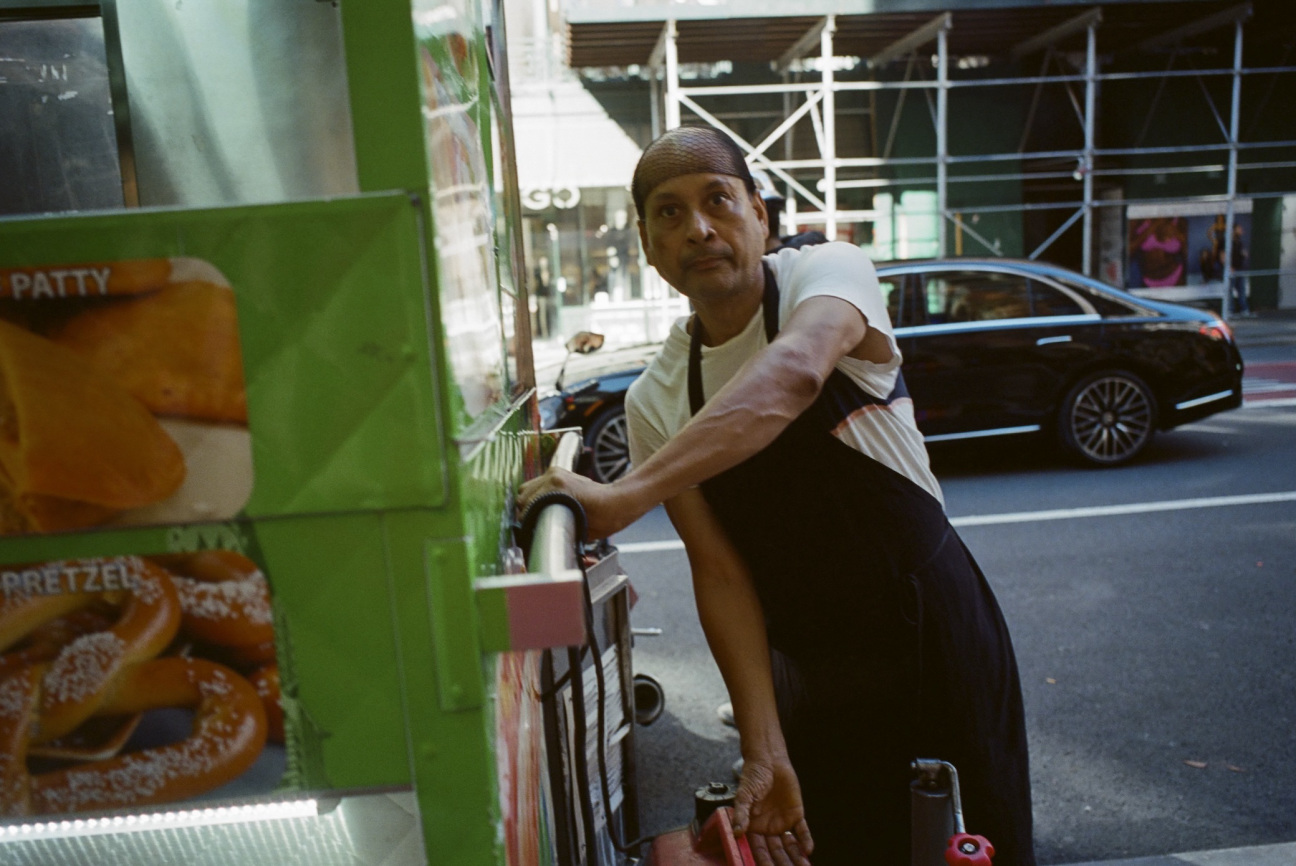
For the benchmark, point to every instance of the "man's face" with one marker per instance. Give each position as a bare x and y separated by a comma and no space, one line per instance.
705,234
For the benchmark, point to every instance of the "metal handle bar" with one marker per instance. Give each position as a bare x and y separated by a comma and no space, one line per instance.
553,543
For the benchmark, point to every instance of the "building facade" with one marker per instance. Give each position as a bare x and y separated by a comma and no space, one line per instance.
1098,136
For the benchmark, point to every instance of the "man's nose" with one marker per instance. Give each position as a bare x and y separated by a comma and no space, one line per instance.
699,226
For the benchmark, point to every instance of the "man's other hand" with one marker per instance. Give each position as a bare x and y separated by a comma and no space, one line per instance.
768,811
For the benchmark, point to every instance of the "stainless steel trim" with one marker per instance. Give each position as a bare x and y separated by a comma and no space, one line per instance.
1044,341
977,434
1201,401
488,425
996,324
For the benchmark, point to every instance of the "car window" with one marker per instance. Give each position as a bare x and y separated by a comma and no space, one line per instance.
972,296
1107,305
1047,300
897,308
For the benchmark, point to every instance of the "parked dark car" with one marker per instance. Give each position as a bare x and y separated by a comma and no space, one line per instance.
589,393
996,347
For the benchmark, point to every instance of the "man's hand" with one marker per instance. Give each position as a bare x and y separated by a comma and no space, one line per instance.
768,810
608,507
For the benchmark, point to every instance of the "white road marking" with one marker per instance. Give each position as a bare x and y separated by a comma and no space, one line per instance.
1131,508
1054,514
1268,404
1199,427
650,546
1261,386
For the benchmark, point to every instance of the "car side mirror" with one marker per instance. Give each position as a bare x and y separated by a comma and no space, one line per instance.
581,343
584,342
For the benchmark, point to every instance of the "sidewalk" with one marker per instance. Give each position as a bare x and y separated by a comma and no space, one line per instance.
1263,855
1266,328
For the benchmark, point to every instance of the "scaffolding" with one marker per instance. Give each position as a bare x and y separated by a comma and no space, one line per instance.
813,184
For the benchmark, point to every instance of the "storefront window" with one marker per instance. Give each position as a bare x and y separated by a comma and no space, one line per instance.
582,249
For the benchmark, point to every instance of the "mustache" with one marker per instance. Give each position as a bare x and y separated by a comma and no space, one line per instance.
721,251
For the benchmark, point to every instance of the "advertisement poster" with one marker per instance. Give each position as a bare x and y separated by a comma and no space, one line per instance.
132,682
1176,251
525,799
121,396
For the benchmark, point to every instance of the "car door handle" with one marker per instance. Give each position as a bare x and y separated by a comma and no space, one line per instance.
1044,341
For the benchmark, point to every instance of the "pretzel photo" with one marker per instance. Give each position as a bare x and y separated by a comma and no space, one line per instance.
229,731
79,669
224,598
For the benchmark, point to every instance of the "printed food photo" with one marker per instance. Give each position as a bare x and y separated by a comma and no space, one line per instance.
134,681
122,399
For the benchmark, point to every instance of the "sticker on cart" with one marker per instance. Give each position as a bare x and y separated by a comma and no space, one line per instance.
121,396
131,682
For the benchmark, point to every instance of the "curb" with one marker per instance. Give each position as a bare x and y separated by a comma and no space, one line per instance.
1262,855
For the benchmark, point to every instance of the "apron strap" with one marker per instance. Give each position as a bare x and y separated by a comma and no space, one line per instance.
769,308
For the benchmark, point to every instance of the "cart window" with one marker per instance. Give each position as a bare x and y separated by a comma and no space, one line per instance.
59,150
236,102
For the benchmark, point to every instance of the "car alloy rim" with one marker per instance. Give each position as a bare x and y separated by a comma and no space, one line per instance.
1111,419
612,449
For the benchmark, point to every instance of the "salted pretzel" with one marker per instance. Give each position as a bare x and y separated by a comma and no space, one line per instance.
97,738
266,682
44,642
229,731
77,671
225,602
75,681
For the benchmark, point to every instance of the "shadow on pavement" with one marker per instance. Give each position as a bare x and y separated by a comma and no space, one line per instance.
673,763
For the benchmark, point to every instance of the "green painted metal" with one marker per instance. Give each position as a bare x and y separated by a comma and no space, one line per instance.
450,747
342,391
382,72
382,481
335,633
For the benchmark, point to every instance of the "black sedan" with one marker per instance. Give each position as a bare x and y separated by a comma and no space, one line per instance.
997,347
589,393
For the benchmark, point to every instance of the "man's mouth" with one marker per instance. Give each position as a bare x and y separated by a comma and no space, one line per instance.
706,261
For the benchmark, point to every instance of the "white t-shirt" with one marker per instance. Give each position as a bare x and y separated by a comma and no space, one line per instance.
657,404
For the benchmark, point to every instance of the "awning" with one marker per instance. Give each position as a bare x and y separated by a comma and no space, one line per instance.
565,140
604,33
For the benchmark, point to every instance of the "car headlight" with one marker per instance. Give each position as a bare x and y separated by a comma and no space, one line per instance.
550,411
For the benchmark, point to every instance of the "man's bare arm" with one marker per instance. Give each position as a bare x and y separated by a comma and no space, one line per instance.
769,796
731,618
775,386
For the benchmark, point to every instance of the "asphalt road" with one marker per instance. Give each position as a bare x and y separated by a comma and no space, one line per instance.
1153,609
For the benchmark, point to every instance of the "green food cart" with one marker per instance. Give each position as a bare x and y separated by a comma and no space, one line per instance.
266,389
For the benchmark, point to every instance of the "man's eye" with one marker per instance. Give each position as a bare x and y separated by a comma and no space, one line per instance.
669,211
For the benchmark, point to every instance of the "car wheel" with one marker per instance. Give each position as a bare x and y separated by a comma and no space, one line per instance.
609,444
1108,418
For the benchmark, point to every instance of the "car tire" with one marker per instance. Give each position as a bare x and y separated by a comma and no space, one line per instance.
608,441
1108,418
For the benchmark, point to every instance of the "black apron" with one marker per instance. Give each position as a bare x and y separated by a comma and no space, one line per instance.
886,640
